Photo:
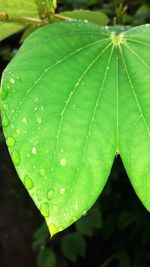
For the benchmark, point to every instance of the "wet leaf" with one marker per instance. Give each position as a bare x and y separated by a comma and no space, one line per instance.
69,105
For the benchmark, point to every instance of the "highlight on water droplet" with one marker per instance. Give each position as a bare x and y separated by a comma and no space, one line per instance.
12,81
44,208
50,194
62,190
34,150
5,121
39,120
28,182
63,162
42,172
10,141
16,157
24,120
76,206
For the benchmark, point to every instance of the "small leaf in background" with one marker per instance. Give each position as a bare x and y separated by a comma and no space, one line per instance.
20,8
97,17
16,8
40,236
87,224
142,14
123,258
35,9
73,245
9,28
126,218
46,258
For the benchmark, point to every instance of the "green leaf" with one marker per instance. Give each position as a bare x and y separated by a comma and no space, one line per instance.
46,258
40,236
16,8
97,17
73,245
9,28
20,8
87,224
69,105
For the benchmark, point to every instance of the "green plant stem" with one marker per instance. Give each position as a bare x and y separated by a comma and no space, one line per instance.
62,17
105,264
28,20
22,19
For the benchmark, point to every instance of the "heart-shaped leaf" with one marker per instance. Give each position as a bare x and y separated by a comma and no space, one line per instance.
73,97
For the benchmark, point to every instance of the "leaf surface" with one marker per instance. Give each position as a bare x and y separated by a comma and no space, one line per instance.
70,105
9,28
97,17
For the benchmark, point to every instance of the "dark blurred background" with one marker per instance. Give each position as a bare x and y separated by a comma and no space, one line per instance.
114,233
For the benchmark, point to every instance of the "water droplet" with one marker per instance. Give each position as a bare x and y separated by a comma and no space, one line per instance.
63,162
12,81
24,120
42,172
36,99
84,213
34,150
4,94
45,209
62,190
28,182
76,206
16,157
10,141
5,107
39,120
50,194
5,121
42,108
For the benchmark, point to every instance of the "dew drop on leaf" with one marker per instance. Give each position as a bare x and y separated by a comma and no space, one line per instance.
28,182
45,209
50,194
5,121
84,213
62,190
12,81
10,141
34,150
16,157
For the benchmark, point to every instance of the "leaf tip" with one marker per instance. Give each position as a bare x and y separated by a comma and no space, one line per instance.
53,229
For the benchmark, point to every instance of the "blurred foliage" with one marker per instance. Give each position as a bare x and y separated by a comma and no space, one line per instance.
115,232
